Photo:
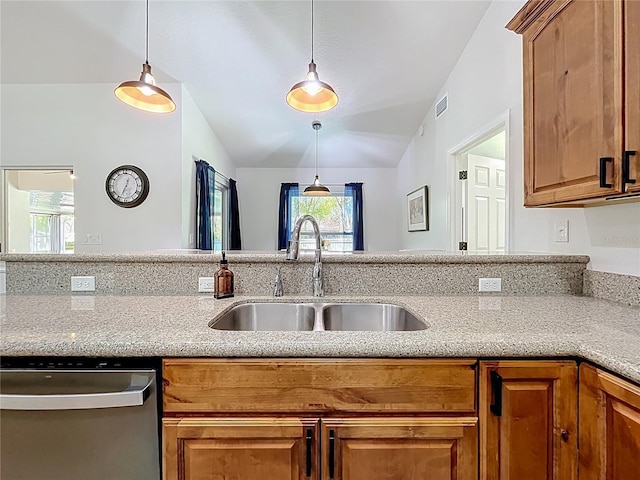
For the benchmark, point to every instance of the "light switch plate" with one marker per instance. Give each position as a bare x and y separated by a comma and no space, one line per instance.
562,231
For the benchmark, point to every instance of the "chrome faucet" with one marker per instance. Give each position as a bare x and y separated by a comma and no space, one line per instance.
294,249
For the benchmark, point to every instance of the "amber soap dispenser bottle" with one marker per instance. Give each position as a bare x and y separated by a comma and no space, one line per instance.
223,280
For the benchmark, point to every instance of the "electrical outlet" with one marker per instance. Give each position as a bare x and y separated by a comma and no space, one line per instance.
83,284
93,239
562,231
490,285
205,284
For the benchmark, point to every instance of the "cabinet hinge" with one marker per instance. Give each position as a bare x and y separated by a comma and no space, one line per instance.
462,245
462,174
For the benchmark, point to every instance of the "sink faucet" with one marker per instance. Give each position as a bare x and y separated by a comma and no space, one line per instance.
294,249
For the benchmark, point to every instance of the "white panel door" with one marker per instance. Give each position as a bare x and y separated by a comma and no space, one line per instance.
486,184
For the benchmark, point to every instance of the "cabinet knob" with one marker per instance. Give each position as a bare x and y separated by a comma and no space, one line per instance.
564,434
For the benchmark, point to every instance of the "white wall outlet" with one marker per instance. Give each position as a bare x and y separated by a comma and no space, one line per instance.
562,231
490,285
205,285
93,239
83,284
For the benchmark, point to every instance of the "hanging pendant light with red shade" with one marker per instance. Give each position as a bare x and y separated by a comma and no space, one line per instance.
144,94
316,189
312,95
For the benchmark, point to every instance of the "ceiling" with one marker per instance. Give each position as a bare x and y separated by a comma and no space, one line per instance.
386,60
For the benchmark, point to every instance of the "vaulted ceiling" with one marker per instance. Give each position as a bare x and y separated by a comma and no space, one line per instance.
386,60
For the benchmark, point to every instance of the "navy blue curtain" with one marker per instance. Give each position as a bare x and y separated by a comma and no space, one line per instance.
235,242
354,190
205,191
287,192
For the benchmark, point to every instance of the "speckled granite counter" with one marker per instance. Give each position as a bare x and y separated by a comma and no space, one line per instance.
601,331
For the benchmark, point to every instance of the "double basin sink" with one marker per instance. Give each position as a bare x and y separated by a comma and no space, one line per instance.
318,317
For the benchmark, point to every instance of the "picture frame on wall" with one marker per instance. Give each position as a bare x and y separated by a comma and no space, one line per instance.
418,209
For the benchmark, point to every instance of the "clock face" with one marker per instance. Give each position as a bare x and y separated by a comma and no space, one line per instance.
127,186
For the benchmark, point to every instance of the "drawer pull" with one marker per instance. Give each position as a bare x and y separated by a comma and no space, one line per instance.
332,454
309,437
603,172
496,387
626,160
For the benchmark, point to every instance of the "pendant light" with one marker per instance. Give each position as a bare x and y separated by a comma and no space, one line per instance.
312,95
316,189
143,93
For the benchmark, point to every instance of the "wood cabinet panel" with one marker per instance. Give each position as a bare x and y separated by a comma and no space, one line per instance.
632,90
535,434
572,101
239,449
609,426
400,448
318,385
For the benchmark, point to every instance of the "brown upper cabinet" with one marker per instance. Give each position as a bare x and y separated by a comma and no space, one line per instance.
581,99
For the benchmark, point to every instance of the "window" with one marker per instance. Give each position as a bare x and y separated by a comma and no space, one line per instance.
334,214
38,211
220,217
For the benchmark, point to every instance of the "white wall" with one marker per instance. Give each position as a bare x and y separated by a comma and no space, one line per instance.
18,207
86,127
487,81
259,192
199,142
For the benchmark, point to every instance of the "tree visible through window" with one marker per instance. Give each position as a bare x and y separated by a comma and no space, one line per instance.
334,215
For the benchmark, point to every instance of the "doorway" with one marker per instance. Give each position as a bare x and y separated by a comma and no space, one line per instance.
479,213
38,211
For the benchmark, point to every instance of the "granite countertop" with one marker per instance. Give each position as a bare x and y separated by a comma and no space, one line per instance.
248,256
604,332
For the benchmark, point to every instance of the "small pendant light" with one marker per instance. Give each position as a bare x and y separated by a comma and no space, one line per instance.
143,93
316,189
312,95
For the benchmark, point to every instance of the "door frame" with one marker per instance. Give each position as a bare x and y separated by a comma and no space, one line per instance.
454,194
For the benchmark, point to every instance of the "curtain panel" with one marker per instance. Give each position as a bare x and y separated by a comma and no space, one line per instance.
205,195
287,192
354,190
235,242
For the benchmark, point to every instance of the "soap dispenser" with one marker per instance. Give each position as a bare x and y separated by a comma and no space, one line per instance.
223,280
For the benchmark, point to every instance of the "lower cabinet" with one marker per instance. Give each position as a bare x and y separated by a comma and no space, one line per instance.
353,449
391,419
313,419
528,420
609,426
238,449
400,449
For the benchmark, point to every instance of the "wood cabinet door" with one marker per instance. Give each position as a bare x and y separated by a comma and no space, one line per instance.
528,418
400,449
239,449
632,91
609,426
573,113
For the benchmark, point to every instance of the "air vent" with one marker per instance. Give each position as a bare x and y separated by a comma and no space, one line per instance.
441,106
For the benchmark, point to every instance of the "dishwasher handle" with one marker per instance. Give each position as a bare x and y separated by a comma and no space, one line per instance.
134,395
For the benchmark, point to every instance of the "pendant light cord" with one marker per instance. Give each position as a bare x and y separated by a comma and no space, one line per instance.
317,152
311,31
146,46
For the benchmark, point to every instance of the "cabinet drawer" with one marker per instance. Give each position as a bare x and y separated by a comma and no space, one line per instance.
318,385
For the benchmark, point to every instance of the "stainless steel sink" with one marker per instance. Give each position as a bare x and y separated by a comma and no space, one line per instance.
268,317
369,317
318,316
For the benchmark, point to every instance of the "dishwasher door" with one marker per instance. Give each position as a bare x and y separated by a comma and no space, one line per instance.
78,425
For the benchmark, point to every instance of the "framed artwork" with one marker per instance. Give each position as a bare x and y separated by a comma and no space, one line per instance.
418,209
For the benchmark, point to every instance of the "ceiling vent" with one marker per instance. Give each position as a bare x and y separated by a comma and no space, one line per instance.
441,106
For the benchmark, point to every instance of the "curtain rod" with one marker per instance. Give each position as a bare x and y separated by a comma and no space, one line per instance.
330,184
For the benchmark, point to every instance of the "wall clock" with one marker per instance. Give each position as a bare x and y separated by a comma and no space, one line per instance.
127,186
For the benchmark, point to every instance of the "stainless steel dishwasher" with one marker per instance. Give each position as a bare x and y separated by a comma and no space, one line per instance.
79,419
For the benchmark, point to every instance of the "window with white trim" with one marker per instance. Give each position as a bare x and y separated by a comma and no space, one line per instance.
334,214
